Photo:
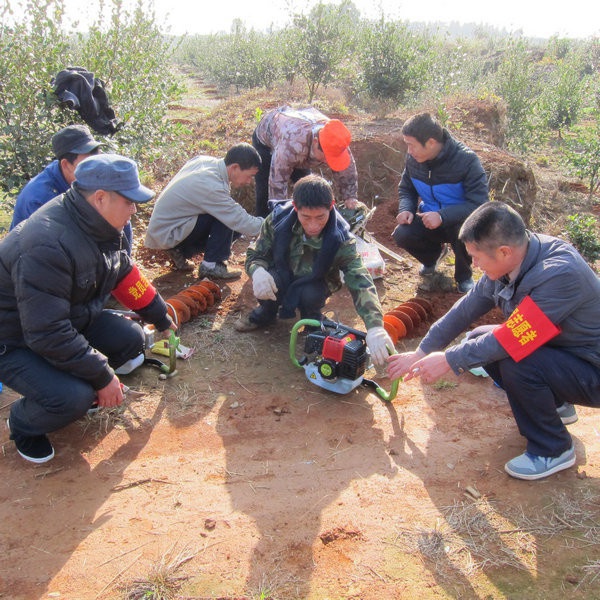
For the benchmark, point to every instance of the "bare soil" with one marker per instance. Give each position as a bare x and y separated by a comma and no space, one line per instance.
239,478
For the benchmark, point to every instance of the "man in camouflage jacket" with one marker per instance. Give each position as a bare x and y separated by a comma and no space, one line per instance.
296,261
293,142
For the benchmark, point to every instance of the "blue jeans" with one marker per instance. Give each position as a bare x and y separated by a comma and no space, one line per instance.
261,179
209,236
540,383
53,398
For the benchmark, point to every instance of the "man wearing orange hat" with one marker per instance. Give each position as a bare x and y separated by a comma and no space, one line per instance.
292,142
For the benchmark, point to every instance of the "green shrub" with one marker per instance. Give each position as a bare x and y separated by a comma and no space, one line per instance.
133,58
582,154
581,231
128,52
515,83
322,43
393,60
562,94
32,53
243,58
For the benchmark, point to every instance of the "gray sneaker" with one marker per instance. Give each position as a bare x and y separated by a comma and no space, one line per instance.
530,466
180,262
567,413
464,286
245,324
424,271
219,271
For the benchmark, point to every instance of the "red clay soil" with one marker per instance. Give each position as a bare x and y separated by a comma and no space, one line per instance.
239,478
257,483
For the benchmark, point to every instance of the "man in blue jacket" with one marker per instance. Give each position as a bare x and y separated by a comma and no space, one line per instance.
70,145
442,184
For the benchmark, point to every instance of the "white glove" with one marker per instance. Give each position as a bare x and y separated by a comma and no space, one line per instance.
378,342
263,284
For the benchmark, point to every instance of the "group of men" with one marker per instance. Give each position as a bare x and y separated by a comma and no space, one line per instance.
63,352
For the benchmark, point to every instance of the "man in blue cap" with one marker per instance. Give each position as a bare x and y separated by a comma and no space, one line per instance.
70,145
59,348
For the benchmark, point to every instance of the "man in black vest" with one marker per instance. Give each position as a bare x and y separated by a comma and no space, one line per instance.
296,262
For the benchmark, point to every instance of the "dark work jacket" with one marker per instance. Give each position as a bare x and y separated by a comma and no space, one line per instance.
453,184
80,90
57,270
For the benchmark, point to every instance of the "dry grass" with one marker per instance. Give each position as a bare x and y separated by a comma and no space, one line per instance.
163,580
218,343
474,536
126,416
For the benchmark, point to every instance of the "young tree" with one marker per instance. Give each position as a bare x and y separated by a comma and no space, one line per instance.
128,51
321,42
562,96
582,154
393,60
514,82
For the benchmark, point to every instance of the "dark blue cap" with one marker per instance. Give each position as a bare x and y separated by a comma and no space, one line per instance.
113,173
74,139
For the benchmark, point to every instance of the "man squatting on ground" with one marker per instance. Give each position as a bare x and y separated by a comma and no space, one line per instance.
196,213
58,347
546,355
296,261
442,184
292,142
71,145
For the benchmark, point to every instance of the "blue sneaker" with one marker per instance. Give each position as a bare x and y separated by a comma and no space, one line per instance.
529,466
567,413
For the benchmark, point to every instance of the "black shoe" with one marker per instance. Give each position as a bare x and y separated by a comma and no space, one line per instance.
36,448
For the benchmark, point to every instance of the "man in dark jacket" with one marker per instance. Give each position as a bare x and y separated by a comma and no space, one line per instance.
58,347
546,355
442,184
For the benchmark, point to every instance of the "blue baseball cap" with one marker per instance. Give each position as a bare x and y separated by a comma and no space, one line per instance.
112,173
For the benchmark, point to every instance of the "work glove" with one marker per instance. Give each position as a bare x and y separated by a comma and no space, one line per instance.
378,342
263,284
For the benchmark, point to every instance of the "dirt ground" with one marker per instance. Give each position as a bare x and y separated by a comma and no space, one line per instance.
240,479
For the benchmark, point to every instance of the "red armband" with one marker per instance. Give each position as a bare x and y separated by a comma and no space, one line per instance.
526,330
134,290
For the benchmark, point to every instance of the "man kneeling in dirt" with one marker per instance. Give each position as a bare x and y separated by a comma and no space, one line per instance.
296,261
546,355
196,213
58,347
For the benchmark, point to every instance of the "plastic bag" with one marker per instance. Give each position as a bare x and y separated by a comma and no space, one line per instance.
371,258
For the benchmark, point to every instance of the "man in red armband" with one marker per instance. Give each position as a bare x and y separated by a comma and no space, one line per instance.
546,355
59,348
